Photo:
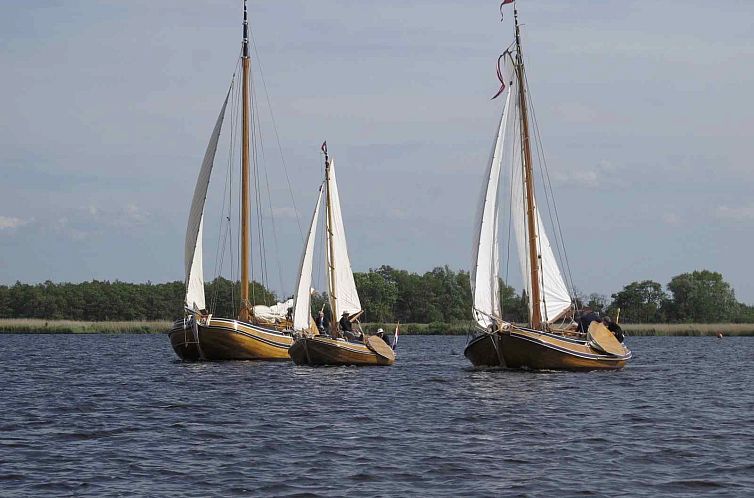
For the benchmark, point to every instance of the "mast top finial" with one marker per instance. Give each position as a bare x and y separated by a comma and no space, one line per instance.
324,149
245,32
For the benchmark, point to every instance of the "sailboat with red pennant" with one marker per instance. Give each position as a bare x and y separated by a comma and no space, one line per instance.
550,340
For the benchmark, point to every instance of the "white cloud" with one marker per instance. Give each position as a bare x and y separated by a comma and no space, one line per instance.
587,176
10,222
671,218
741,213
575,112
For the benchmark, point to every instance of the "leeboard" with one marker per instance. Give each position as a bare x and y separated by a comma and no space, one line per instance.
380,347
603,340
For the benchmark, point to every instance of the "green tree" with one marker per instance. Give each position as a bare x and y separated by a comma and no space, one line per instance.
597,302
378,295
702,296
640,302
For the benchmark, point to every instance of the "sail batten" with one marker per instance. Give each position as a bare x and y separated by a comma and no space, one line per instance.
194,273
302,299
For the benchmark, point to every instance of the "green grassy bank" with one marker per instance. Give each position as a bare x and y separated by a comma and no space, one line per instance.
36,326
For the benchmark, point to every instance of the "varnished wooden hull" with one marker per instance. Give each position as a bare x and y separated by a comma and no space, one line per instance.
321,350
227,339
531,349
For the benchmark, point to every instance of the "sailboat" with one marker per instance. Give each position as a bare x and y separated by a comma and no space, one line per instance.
199,335
550,341
333,347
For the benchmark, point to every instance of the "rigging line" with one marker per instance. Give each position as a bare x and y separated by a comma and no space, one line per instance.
510,208
537,220
276,244
253,158
527,262
255,134
277,136
319,255
219,254
548,184
221,224
548,194
234,259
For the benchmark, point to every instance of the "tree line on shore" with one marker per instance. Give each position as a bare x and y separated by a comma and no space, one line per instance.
387,295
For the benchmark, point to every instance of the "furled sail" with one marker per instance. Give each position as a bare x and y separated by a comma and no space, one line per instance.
302,298
485,268
193,245
346,297
272,314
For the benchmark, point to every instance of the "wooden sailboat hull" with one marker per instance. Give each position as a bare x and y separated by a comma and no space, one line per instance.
321,350
535,350
227,339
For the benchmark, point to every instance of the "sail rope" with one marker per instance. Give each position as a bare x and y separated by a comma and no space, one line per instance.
549,194
262,250
225,232
510,210
277,137
276,244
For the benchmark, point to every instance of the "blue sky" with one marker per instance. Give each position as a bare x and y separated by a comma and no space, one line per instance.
644,109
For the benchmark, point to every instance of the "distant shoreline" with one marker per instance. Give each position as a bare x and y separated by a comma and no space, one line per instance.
39,326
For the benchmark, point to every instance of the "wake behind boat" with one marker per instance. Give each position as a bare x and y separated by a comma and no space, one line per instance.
264,335
551,341
340,345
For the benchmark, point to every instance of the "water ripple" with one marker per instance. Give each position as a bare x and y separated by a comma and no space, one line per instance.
117,415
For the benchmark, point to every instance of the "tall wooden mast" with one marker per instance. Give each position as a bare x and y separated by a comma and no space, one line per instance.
245,215
330,253
536,313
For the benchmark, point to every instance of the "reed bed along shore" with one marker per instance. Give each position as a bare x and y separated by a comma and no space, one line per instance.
39,326
631,329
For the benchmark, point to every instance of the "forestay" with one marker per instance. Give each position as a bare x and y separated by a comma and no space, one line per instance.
193,244
302,298
346,297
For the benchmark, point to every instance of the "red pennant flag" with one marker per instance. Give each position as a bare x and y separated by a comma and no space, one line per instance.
505,2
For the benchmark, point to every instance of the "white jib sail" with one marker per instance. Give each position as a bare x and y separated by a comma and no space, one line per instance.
555,297
302,298
193,245
346,297
485,268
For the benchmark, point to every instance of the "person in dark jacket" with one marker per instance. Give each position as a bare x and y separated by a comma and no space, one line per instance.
614,328
346,327
345,323
586,318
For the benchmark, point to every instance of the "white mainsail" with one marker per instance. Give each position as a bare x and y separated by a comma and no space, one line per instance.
344,294
302,298
485,268
193,244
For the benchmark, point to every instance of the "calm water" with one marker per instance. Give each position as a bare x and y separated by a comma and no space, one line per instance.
118,415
